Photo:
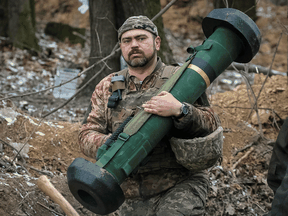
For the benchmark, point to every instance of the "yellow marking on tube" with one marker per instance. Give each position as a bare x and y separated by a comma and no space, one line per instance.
201,73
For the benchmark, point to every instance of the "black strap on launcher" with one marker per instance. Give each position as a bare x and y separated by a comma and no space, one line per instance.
118,84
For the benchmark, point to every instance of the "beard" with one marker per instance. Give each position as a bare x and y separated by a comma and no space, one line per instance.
139,61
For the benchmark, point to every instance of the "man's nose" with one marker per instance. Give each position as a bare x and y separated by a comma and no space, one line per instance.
134,43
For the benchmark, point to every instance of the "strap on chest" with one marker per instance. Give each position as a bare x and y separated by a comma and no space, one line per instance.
166,74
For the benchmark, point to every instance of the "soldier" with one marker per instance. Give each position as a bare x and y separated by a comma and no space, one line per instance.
174,180
278,173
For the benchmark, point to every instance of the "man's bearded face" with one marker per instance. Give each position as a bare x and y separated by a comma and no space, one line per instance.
137,58
138,47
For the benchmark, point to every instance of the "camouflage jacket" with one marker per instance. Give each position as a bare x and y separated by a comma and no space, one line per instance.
102,122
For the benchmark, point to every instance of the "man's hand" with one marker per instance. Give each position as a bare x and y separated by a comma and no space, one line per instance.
164,104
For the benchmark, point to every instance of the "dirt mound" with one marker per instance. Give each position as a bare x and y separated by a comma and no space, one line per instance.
238,119
48,149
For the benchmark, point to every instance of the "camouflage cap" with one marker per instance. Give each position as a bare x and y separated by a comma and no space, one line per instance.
199,153
138,22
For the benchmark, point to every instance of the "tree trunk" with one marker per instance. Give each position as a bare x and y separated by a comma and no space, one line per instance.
103,39
4,21
105,20
18,23
248,7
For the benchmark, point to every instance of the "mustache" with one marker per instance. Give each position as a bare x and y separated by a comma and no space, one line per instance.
136,51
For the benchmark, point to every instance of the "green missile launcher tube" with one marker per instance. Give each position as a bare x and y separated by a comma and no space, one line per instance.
231,36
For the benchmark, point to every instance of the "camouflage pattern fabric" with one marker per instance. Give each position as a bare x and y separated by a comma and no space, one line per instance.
152,183
280,201
136,94
138,22
278,173
199,153
95,132
99,124
161,176
186,198
279,159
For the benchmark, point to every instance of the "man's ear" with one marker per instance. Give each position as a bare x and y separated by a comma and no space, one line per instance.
157,43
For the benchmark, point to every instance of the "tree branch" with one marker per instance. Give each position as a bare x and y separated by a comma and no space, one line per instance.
252,68
242,158
164,10
5,143
44,90
78,91
231,107
267,74
254,97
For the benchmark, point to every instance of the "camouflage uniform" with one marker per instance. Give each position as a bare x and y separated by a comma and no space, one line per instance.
278,173
169,183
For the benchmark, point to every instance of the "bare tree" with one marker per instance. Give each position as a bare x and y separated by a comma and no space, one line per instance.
18,23
106,16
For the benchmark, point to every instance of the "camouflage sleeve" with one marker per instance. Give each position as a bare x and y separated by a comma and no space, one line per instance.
200,122
94,133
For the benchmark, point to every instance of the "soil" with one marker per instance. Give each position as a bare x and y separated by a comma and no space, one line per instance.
238,184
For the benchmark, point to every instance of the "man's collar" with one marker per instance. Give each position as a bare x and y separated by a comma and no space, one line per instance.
158,65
